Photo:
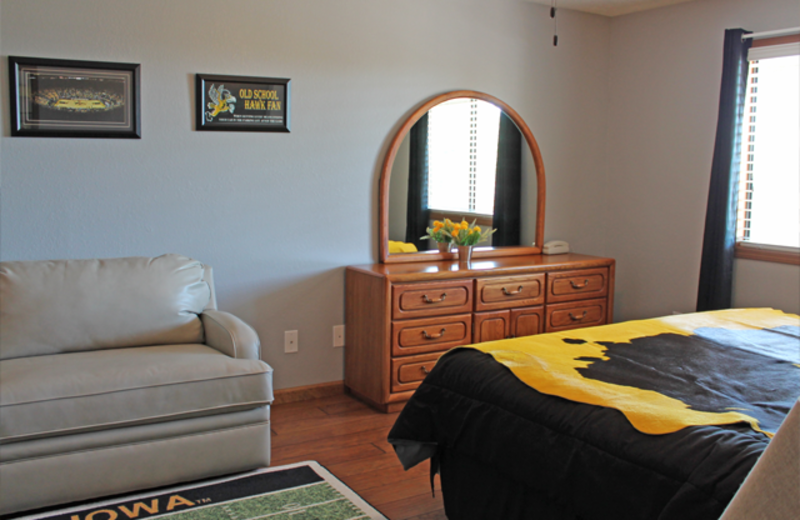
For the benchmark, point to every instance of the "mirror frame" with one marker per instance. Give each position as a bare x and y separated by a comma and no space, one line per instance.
478,252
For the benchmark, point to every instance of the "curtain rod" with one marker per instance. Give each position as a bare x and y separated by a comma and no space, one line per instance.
776,32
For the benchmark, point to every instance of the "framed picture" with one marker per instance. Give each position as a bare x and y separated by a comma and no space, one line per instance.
242,103
68,98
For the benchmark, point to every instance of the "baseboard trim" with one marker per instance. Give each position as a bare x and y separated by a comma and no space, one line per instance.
306,393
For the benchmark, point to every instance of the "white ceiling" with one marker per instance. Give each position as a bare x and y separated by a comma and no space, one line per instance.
609,7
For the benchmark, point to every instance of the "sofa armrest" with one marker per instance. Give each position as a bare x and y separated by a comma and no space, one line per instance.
230,335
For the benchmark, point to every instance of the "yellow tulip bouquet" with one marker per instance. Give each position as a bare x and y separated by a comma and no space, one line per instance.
460,234
440,232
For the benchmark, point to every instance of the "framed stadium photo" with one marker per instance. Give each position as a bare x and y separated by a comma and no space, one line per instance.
68,98
242,103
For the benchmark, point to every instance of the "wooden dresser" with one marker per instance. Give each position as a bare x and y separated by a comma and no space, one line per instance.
401,317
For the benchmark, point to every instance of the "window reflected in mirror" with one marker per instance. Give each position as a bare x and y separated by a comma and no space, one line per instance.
462,157
461,160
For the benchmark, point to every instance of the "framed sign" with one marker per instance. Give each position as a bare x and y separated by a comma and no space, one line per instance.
242,103
68,98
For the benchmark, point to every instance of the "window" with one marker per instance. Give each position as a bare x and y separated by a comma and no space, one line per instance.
768,217
462,156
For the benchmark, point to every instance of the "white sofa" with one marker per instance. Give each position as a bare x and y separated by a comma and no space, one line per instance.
120,374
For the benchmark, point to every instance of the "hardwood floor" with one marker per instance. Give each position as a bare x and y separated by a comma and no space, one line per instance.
349,438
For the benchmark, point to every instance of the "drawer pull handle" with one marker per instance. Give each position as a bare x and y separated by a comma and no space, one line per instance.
512,293
576,286
428,300
428,336
424,370
575,318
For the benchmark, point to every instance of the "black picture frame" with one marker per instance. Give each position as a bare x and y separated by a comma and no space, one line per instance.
72,98
242,103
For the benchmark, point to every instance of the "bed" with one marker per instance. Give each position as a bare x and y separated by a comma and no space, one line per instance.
649,419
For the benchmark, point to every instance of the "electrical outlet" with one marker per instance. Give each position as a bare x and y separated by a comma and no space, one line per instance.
338,335
290,341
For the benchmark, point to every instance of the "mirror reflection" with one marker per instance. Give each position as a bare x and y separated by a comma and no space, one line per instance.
464,159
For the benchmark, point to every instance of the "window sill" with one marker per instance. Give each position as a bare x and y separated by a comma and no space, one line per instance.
767,254
481,220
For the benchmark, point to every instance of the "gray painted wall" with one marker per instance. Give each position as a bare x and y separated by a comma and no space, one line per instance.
665,70
624,111
280,215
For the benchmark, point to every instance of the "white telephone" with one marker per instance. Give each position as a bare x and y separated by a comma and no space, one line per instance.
555,247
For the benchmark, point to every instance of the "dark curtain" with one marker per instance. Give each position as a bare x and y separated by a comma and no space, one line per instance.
716,268
417,212
508,185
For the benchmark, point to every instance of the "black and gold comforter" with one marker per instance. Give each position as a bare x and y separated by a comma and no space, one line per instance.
647,419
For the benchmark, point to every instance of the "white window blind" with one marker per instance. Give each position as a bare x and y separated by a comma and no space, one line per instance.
769,186
773,51
462,156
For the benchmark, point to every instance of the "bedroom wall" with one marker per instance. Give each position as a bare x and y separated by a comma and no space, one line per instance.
278,216
665,70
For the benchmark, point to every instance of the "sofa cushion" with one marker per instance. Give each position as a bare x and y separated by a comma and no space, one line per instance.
48,307
45,396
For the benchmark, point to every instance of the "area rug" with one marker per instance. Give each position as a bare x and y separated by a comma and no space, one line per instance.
302,491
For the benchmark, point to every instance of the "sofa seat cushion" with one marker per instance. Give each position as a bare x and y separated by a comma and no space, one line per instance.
45,396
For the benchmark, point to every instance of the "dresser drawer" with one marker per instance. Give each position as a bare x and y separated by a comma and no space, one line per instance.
431,299
505,293
526,322
577,285
407,373
431,334
574,315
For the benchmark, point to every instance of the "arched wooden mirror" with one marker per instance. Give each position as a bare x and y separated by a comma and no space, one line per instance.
462,155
